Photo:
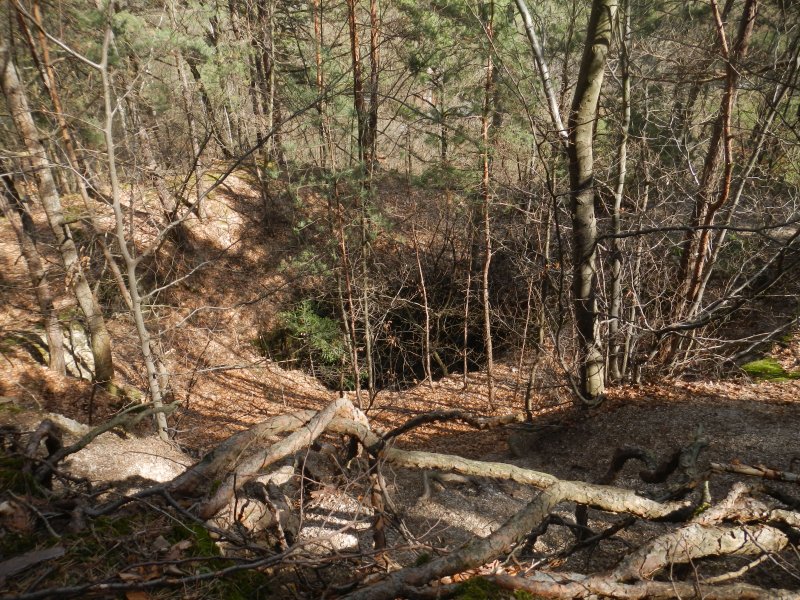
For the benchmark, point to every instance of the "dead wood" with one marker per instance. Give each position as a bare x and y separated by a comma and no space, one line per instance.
684,459
575,585
511,533
12,566
756,471
698,541
51,434
476,421
441,479
739,525
47,432
218,461
127,417
250,468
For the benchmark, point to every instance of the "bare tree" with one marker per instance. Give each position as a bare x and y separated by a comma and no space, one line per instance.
18,214
48,193
486,193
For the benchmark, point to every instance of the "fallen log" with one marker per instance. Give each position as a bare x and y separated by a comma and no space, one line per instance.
575,585
755,471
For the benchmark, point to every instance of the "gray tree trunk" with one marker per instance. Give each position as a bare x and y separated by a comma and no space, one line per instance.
486,193
48,193
615,354
581,171
37,269
156,380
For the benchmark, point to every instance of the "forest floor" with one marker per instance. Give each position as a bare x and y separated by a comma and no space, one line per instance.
241,273
224,385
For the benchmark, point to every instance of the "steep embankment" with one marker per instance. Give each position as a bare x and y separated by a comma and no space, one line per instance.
224,285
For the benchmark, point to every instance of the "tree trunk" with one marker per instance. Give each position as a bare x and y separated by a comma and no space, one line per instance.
327,155
615,311
426,336
87,182
581,170
486,194
48,193
155,379
544,72
197,148
358,82
10,203
371,130
267,67
88,186
697,244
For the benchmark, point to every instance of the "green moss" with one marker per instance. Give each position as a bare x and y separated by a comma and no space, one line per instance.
13,479
8,343
246,585
479,588
104,545
422,559
14,544
769,369
202,543
131,393
114,526
11,408
242,585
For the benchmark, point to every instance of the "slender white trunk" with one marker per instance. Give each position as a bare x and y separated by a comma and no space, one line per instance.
154,378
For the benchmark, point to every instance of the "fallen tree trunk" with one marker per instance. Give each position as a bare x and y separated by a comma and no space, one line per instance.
698,541
575,585
229,476
756,471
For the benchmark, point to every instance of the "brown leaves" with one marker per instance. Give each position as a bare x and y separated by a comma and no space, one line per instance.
159,568
16,517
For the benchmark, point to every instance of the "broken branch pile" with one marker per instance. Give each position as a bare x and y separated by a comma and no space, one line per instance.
251,496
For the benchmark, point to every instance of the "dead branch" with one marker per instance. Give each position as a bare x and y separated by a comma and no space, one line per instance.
219,461
756,471
48,432
698,541
250,468
739,525
511,533
122,419
471,419
575,585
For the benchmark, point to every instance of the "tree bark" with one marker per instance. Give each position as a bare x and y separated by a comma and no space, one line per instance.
327,155
615,311
12,204
544,72
155,379
88,186
48,193
371,130
486,193
358,81
197,160
697,244
581,170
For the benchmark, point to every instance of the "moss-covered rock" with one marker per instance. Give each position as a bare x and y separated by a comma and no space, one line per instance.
769,369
